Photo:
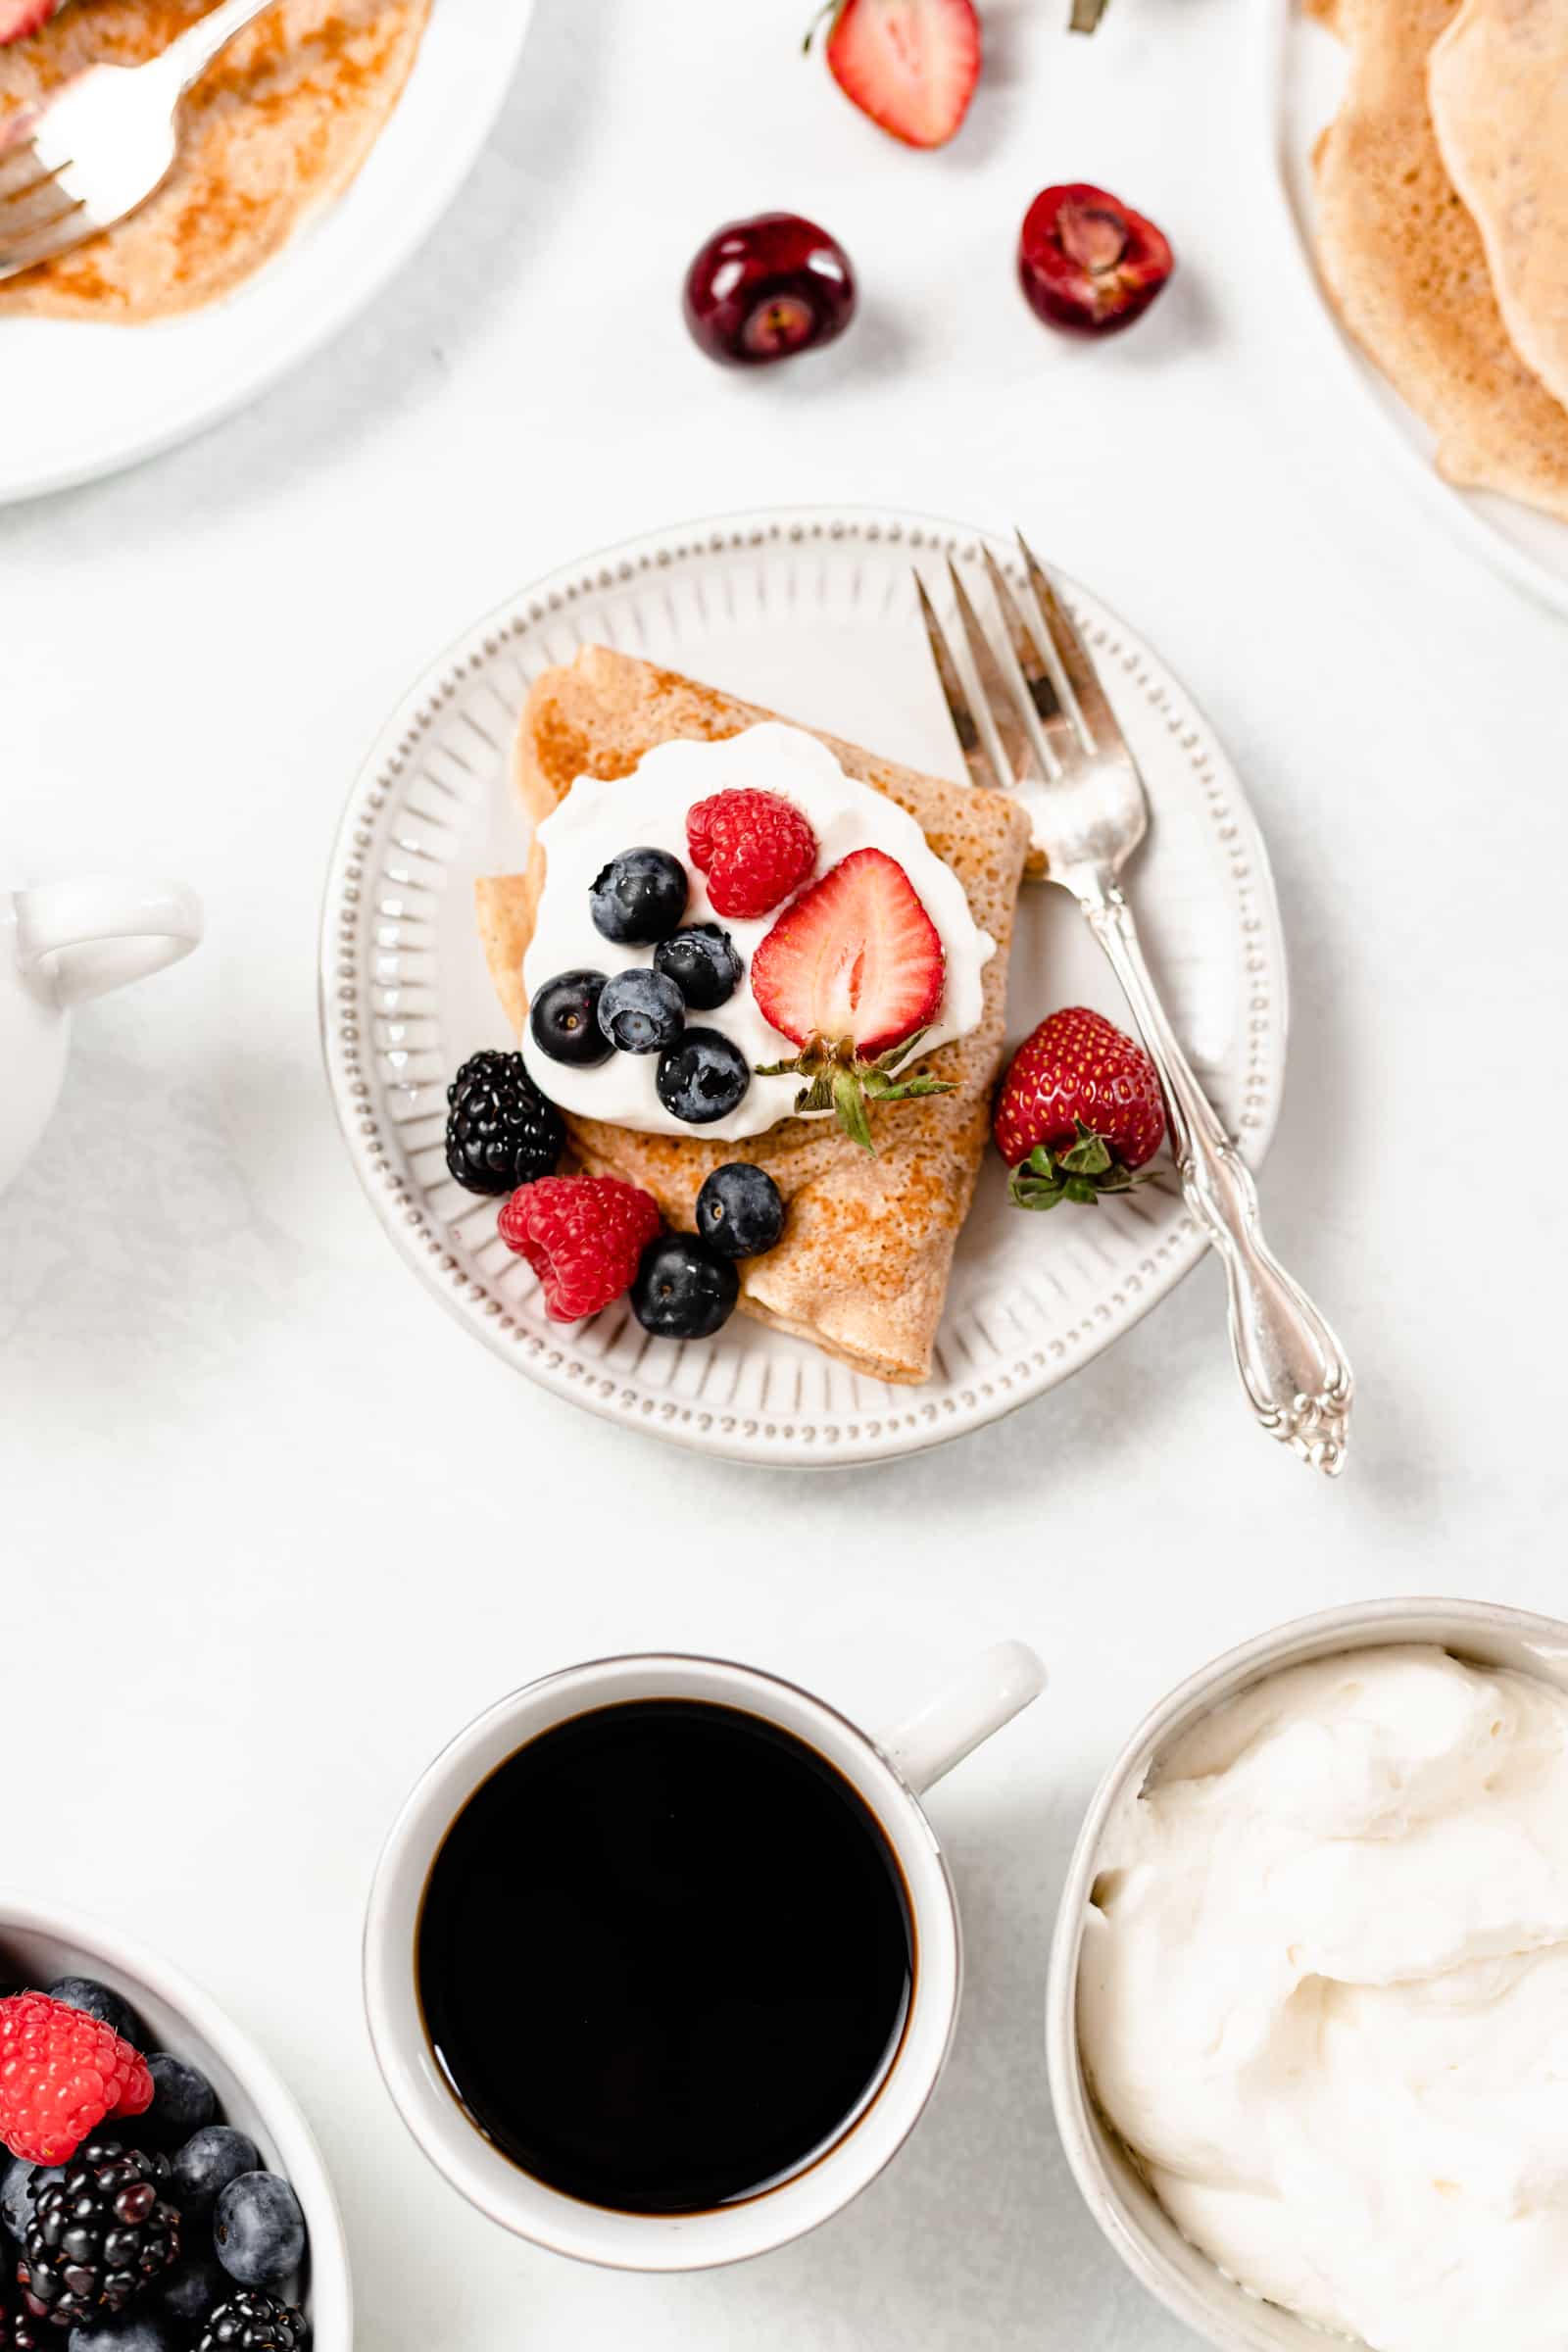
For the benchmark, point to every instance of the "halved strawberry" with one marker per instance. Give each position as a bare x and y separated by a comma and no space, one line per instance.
853,973
856,959
20,18
910,64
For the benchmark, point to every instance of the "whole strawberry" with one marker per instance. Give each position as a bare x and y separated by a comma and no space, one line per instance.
1080,1109
61,2072
583,1237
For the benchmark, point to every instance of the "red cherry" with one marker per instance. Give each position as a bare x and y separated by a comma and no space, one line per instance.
764,289
1089,262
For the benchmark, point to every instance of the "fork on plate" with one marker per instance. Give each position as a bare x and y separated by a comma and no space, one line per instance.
100,145
1065,755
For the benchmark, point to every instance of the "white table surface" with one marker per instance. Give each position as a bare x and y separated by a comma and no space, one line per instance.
274,1527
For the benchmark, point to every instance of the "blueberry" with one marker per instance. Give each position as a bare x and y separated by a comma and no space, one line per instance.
19,2186
641,1012
704,1077
96,2001
183,2100
564,1019
208,2161
640,897
188,2292
704,963
682,1289
259,2230
139,2331
738,1212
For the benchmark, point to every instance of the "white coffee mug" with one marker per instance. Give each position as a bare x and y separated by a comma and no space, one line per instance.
59,944
888,1775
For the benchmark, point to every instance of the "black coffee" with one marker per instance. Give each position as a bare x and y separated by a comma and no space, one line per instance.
664,1956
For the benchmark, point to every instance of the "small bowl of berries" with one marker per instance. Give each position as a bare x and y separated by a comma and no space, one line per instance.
159,2190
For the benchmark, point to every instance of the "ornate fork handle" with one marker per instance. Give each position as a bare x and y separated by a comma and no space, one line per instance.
1296,1376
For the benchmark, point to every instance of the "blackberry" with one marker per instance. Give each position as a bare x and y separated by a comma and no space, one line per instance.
98,2235
501,1132
253,2323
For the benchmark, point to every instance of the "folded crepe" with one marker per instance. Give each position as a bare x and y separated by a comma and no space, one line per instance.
862,1267
1405,264
1497,85
274,129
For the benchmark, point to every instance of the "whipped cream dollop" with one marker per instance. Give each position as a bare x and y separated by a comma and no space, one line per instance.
1324,1998
598,819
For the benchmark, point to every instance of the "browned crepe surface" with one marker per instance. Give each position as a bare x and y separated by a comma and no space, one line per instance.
278,126
1405,264
1497,85
862,1267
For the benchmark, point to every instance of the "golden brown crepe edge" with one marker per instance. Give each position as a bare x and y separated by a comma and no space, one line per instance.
1455,367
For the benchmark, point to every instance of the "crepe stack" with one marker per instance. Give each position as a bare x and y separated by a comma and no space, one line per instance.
274,130
862,1267
1442,232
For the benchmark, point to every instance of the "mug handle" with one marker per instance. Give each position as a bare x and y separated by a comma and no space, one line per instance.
86,937
991,1688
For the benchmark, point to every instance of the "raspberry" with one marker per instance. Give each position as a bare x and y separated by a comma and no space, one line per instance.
753,846
583,1237
61,2072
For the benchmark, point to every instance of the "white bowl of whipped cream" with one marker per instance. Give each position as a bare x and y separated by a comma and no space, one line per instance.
1307,2018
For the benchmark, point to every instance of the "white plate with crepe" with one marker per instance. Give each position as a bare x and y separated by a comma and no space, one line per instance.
1305,74
84,399
812,612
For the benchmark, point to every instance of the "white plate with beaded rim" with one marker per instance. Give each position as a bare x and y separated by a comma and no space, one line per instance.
85,399
1304,69
812,612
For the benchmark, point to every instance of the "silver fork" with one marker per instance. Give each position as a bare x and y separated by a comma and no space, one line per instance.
1085,797
102,143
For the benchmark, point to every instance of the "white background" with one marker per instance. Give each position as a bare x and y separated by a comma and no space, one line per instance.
274,1527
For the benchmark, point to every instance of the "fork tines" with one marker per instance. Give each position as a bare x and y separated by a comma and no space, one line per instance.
1047,709
37,215
1099,720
